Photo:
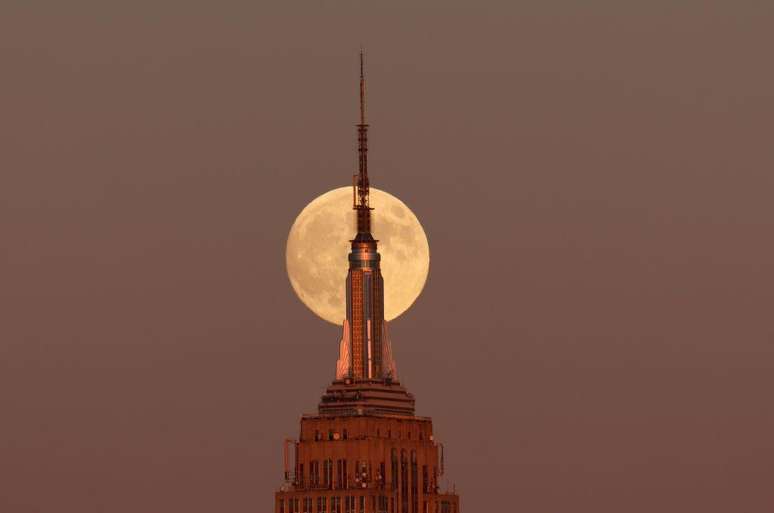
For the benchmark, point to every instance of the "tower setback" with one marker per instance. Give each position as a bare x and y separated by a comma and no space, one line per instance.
365,451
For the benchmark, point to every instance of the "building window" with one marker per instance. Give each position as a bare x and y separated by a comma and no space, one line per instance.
328,473
394,470
361,509
414,484
341,474
362,474
301,475
404,487
425,479
314,474
336,504
282,506
344,434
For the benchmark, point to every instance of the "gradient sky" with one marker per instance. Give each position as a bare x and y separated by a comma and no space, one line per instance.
595,179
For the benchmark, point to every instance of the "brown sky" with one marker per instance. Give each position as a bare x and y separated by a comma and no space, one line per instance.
595,180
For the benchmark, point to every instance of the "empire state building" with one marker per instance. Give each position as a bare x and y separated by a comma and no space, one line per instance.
365,451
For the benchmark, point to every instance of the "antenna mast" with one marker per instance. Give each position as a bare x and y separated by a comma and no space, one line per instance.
360,181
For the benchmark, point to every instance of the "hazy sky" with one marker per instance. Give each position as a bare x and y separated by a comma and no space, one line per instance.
595,179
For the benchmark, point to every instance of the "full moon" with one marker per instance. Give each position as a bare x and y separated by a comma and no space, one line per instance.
318,245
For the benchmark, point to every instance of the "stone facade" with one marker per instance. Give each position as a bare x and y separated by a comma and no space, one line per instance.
365,464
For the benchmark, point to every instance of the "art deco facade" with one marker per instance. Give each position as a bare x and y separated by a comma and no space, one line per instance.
365,451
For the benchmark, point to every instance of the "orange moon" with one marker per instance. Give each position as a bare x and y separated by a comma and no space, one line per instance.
318,245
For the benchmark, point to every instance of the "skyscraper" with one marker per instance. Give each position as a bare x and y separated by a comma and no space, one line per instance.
365,451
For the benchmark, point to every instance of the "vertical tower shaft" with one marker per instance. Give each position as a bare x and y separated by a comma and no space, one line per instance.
365,286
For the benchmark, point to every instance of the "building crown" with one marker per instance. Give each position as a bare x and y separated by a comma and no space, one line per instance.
366,376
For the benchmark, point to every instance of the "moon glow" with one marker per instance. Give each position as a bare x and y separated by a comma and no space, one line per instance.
318,245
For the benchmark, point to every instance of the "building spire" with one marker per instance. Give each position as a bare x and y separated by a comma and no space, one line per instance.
360,186
362,87
365,353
